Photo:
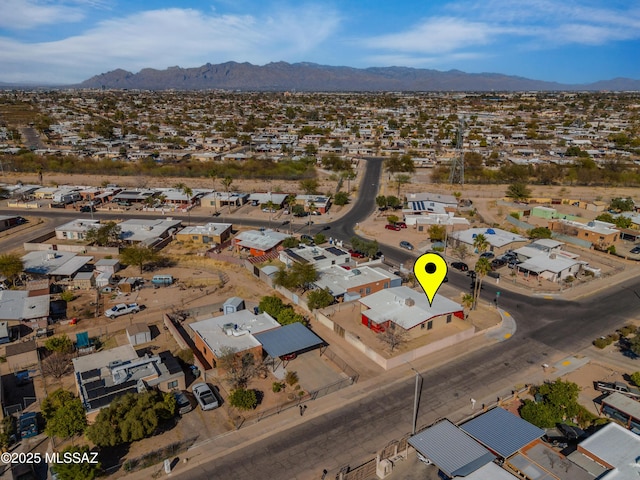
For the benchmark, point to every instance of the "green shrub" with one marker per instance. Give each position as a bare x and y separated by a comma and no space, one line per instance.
243,399
291,378
601,342
277,387
67,296
627,330
635,378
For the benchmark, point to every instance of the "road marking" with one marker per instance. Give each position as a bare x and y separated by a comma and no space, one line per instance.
547,297
507,314
566,363
507,336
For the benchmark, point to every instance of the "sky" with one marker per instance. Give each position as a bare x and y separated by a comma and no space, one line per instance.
569,41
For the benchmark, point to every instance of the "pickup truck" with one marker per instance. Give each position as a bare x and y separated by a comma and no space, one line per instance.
122,309
623,388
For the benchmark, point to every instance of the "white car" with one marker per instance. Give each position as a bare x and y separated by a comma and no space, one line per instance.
122,309
205,396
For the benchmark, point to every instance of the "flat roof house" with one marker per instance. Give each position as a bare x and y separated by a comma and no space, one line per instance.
54,263
76,229
499,240
317,256
407,309
210,233
357,282
214,337
103,376
600,234
259,242
148,232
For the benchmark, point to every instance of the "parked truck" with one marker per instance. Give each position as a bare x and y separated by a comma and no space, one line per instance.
623,388
28,425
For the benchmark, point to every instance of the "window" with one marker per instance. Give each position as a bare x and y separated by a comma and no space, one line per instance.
449,318
172,385
422,326
429,324
368,290
386,284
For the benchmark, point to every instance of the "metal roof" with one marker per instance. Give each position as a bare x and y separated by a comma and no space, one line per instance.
623,403
287,339
502,432
492,471
618,447
450,449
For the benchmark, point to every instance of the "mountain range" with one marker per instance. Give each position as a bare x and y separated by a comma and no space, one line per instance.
282,76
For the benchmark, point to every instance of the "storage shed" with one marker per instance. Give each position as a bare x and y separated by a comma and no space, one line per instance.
233,305
84,280
138,333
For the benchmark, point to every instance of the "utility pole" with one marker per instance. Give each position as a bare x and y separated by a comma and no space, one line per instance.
456,175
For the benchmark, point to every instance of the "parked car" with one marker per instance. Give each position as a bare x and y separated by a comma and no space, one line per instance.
401,224
205,396
28,425
391,226
571,432
183,402
122,309
306,238
636,250
514,263
497,263
87,208
488,255
356,254
463,267
406,245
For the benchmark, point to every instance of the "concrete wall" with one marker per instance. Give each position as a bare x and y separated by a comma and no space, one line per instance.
388,363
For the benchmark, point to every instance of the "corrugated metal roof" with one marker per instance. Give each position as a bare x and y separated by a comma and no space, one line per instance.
450,449
502,431
287,339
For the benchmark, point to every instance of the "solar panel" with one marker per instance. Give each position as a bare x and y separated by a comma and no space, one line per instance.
295,256
93,384
319,257
335,251
93,373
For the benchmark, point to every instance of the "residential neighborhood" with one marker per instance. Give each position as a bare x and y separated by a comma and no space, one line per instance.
236,269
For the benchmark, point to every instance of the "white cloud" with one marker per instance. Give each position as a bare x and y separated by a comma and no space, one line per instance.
477,27
26,14
184,37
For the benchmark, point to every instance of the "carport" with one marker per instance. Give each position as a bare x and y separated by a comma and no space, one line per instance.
292,339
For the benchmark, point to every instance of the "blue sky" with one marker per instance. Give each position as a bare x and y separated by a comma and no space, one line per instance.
570,41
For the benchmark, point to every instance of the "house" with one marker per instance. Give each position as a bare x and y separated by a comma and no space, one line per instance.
217,336
431,203
450,449
600,234
259,242
610,454
107,265
208,234
499,240
623,409
317,203
133,196
424,221
407,309
54,263
102,376
76,229
357,282
218,200
148,232
319,257
19,307
263,199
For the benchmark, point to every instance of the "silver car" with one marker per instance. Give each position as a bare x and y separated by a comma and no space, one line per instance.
205,396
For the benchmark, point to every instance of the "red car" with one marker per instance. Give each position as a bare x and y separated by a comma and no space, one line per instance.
390,226
401,224
355,254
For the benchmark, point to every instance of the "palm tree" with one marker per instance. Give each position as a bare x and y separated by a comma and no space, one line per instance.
271,207
226,182
186,190
467,301
312,208
480,243
213,174
482,268
291,201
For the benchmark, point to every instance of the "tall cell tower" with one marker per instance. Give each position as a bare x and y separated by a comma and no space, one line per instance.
456,175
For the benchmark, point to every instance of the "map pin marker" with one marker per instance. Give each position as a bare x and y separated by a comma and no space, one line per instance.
430,270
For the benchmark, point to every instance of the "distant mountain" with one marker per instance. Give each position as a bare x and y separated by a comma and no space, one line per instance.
282,76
